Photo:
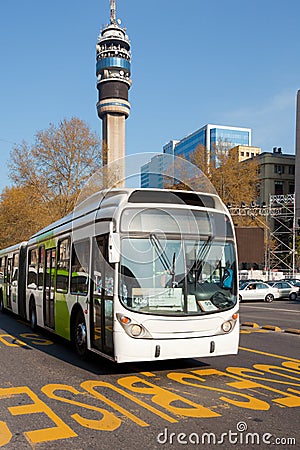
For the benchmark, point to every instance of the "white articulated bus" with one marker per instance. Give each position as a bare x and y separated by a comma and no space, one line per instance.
133,275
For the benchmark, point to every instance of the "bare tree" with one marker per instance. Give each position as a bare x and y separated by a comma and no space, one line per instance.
22,213
58,165
234,180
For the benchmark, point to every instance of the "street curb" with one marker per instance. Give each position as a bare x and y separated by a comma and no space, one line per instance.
292,331
271,328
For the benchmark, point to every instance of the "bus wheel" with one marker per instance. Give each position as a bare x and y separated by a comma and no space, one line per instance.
32,316
80,335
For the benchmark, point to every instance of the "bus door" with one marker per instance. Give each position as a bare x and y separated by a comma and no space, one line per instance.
13,289
48,300
102,297
8,282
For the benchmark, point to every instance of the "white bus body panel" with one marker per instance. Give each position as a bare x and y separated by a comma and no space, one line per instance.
177,337
129,349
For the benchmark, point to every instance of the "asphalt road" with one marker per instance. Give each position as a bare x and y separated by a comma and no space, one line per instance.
50,399
281,313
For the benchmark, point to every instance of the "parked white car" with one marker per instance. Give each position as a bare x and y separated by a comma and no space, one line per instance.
286,289
258,290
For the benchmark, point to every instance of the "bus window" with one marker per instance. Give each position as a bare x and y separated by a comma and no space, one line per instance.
41,267
80,267
63,265
15,269
32,268
2,268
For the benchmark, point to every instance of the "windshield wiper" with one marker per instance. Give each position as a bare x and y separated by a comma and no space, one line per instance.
163,257
200,258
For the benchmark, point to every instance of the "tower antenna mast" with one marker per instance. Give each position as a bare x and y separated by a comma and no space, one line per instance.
113,12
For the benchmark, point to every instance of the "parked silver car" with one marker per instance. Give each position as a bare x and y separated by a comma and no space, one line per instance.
286,289
258,290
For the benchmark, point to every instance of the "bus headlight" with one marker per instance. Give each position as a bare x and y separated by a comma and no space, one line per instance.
136,330
227,326
132,328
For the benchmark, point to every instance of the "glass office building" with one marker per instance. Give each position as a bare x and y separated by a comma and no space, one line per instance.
210,136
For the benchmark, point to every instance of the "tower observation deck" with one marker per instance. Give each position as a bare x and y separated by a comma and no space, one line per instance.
113,70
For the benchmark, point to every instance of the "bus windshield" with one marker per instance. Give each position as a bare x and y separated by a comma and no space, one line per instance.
168,276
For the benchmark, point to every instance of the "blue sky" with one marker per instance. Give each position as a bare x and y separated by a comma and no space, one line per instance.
229,62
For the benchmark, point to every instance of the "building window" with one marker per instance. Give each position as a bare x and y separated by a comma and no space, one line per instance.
291,170
278,187
279,168
291,188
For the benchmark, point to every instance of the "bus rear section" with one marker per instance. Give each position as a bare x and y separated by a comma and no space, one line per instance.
13,270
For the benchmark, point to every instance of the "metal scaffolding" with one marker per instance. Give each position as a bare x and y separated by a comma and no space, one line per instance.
279,226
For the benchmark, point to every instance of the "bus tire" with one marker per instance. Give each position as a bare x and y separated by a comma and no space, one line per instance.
32,315
2,309
79,335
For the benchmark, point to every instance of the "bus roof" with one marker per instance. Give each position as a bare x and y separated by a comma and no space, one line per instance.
107,201
12,248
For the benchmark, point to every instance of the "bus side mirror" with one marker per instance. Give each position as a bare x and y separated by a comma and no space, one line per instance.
114,247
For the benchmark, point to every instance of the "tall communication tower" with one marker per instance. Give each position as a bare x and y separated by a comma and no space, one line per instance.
113,70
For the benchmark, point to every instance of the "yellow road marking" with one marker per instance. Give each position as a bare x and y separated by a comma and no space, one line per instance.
250,324
148,374
253,331
91,385
271,327
60,431
6,338
165,398
5,434
108,422
268,354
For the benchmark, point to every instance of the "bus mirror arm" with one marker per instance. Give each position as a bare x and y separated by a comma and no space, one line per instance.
114,247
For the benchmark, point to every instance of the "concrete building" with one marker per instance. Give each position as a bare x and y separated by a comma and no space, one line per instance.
276,174
246,152
113,72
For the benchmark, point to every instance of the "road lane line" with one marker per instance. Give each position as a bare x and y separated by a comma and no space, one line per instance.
268,354
269,309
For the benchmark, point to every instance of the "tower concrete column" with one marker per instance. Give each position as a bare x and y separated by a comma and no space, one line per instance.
113,72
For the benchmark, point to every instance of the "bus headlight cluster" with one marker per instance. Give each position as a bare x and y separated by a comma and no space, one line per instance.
230,324
132,328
